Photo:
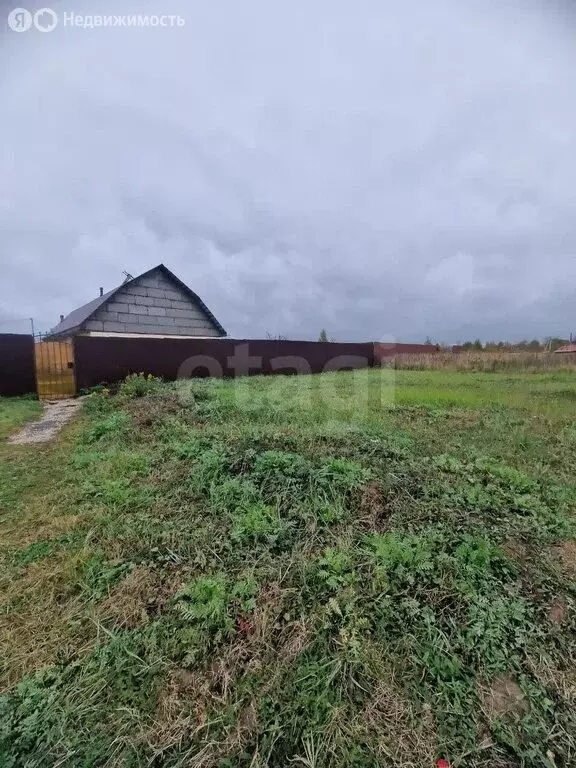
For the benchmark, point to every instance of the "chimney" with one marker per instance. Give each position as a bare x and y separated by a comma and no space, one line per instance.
101,291
61,318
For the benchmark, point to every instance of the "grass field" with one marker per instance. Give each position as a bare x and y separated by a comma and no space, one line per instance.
359,570
15,411
487,361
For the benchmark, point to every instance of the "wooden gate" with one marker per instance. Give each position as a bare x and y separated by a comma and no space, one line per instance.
54,369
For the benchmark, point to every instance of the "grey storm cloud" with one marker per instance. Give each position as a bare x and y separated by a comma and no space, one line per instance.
381,169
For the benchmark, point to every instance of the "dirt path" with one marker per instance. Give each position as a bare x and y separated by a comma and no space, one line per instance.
56,414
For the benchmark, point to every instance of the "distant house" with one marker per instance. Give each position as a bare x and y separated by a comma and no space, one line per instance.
566,349
155,303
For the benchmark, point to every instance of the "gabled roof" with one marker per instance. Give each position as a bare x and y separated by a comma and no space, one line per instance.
566,348
78,317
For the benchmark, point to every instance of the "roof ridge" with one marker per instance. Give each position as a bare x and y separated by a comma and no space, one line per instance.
83,313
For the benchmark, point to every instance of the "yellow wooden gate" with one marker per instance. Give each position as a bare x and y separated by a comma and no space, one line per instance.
54,369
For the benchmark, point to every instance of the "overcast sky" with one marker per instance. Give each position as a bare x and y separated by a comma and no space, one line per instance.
381,169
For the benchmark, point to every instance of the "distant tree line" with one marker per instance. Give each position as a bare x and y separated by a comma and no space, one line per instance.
534,345
549,344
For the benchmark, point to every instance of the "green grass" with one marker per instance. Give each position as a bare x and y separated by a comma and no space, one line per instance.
15,411
357,569
547,392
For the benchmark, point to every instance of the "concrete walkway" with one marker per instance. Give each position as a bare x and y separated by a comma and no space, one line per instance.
56,414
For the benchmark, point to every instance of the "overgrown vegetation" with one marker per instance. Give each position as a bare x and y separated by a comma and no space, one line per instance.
362,569
488,361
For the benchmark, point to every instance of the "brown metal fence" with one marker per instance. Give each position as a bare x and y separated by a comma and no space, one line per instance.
17,375
107,359
60,369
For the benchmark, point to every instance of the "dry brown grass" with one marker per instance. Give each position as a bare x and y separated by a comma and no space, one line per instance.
142,594
148,410
184,705
187,698
181,712
39,608
373,513
402,735
560,680
38,618
527,362
31,529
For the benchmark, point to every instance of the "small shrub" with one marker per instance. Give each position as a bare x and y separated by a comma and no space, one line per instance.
507,477
233,494
210,468
339,477
406,556
259,523
121,493
139,385
496,626
98,402
191,448
205,602
211,603
335,569
294,477
113,423
479,560
281,467
329,514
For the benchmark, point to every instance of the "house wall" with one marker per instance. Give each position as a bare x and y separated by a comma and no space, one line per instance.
152,305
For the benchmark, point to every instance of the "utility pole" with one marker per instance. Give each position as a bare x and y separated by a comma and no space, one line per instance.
32,324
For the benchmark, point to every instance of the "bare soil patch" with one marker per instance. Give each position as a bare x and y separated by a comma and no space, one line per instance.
504,697
566,551
557,612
